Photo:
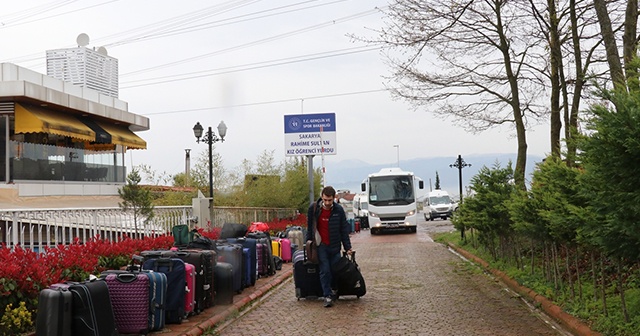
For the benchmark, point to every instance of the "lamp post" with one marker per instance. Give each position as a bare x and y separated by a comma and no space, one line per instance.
398,153
459,163
210,138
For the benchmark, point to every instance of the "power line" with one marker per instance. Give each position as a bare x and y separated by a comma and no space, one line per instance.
245,67
268,102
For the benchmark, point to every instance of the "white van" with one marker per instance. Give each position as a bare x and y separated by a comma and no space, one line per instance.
438,204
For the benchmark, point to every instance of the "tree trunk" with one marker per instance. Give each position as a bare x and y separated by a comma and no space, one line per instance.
609,40
578,273
630,44
555,64
521,158
620,285
567,263
603,284
594,275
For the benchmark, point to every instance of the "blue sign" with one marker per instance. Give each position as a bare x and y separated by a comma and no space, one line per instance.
305,123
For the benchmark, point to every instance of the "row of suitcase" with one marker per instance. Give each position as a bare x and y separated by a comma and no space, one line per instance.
166,290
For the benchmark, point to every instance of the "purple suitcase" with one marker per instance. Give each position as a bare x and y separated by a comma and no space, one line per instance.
130,300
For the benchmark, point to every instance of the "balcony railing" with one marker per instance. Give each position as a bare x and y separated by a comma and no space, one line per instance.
38,228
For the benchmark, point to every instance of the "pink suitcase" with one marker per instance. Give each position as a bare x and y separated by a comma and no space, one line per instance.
285,249
190,294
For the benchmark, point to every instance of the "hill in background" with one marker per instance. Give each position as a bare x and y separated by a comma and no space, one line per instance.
348,174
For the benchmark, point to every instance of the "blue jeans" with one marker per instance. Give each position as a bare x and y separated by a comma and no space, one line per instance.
325,260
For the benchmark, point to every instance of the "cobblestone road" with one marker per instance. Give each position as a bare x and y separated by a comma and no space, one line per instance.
414,287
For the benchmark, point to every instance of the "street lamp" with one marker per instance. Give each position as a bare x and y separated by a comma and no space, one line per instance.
398,153
459,163
210,138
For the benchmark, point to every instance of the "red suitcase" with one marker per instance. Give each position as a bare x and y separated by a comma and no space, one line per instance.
129,294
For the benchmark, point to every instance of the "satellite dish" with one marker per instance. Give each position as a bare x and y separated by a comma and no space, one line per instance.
102,51
82,40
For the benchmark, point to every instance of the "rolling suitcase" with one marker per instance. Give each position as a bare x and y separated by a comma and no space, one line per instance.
251,244
347,276
263,237
296,237
200,262
285,250
223,282
175,271
129,294
306,277
190,294
205,291
54,312
232,254
91,309
276,248
261,262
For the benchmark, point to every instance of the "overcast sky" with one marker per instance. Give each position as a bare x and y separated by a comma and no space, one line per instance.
248,63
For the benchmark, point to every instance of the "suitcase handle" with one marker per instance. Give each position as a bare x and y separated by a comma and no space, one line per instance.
126,277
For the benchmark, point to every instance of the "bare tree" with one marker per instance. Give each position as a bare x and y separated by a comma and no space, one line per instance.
472,61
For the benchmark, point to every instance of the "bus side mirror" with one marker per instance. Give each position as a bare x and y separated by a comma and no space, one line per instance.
363,187
421,184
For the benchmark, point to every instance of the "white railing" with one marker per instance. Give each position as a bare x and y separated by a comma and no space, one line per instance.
38,228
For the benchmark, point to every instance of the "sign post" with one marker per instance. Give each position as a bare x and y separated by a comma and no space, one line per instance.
309,135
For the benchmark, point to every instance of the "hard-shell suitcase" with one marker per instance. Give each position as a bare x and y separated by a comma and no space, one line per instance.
306,277
201,270
246,267
296,237
347,276
232,253
54,312
262,264
276,248
263,237
223,275
285,250
205,291
251,244
175,271
91,309
129,294
190,295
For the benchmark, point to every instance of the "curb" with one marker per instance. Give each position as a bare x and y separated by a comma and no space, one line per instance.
572,323
211,323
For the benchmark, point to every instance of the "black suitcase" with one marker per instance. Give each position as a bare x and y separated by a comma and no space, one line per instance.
210,258
347,276
306,277
92,312
175,271
54,312
232,253
223,283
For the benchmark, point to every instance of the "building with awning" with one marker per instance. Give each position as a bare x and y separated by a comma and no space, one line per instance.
60,139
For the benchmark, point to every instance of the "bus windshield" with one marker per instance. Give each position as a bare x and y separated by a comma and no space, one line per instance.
391,190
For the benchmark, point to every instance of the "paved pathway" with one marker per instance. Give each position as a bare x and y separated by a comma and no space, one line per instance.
414,287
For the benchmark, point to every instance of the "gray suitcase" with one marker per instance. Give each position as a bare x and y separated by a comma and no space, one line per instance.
54,312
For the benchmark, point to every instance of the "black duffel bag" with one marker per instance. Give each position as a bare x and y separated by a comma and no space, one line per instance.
348,278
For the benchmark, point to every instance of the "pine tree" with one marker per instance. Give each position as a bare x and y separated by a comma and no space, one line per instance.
136,199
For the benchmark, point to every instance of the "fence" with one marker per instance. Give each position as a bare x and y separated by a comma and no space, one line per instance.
37,228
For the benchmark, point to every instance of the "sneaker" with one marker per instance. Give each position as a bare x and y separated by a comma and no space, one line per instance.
328,302
334,295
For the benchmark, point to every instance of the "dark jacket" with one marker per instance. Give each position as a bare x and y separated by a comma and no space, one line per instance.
339,229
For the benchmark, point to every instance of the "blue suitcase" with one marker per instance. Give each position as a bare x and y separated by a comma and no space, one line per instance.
175,271
251,244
